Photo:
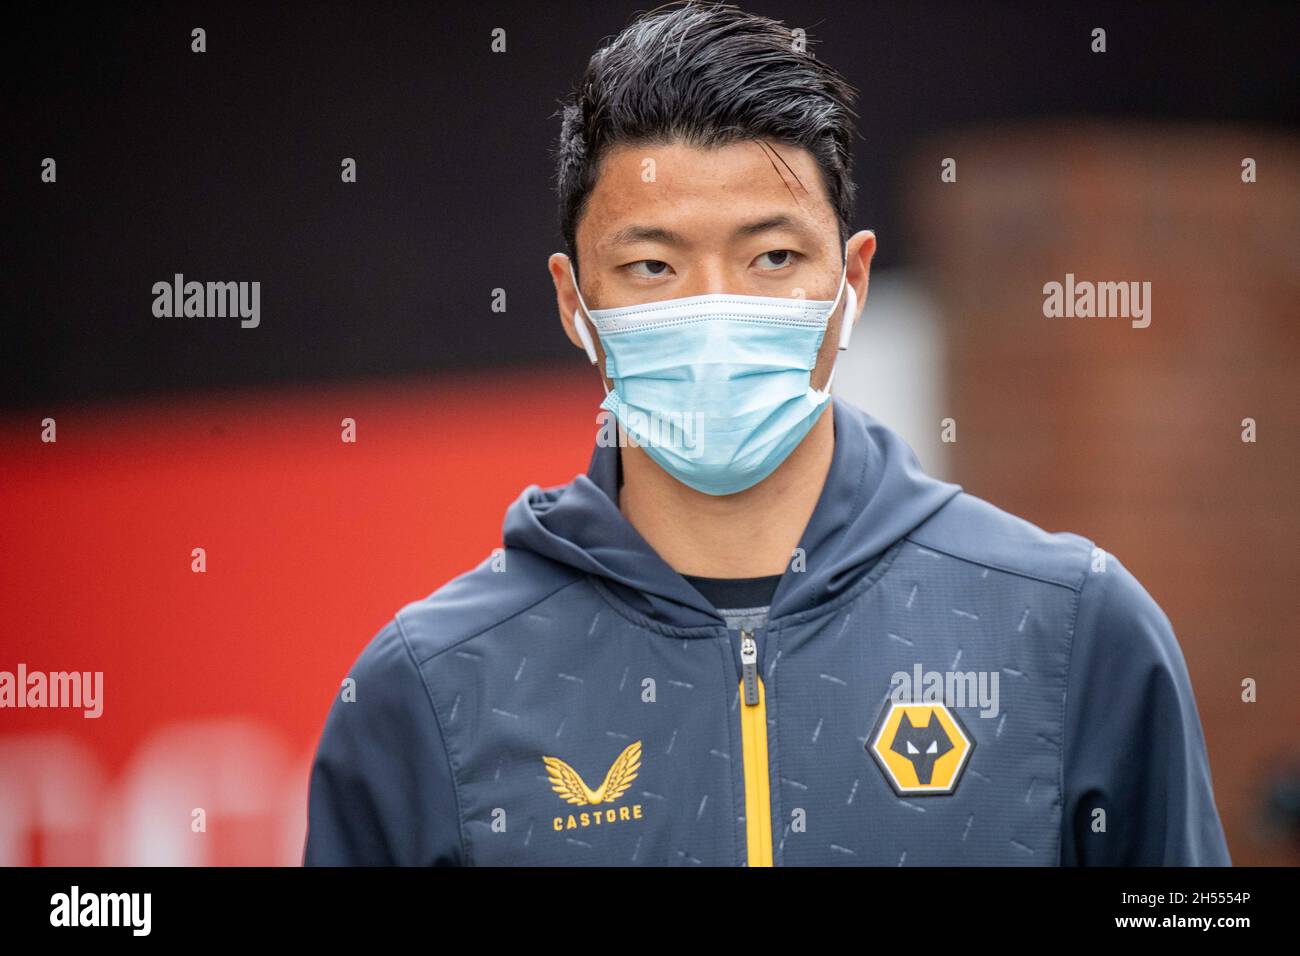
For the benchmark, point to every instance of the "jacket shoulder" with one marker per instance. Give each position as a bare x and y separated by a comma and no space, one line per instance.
972,529
506,583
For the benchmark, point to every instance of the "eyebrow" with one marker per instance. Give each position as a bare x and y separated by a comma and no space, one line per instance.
630,234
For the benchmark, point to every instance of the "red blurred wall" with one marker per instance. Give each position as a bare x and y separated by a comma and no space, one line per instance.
212,681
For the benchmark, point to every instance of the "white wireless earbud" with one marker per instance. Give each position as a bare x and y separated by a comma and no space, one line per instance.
579,324
585,335
846,333
846,323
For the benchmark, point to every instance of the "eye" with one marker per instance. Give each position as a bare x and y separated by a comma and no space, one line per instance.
655,267
780,258
911,748
933,748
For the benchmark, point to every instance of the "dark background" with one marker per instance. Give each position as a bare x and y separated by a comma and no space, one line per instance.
224,166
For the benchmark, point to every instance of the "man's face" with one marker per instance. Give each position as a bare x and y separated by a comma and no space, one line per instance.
667,221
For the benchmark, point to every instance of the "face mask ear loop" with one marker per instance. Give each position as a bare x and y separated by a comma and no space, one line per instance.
580,326
846,325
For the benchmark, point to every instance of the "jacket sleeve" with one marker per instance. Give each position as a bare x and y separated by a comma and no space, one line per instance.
381,790
1133,744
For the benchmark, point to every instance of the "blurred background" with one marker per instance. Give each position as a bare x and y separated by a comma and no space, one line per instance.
376,305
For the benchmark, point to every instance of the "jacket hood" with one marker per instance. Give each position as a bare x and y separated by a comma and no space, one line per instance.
875,493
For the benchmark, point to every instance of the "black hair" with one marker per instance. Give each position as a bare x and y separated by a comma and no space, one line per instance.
708,74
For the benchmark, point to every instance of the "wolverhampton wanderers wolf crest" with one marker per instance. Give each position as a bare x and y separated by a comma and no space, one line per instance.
568,783
922,749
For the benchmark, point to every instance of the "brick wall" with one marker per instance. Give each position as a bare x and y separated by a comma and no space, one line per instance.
1132,436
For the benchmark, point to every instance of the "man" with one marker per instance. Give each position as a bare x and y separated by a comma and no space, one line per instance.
754,633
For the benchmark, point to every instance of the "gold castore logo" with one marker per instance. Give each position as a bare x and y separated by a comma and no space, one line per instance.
568,783
922,749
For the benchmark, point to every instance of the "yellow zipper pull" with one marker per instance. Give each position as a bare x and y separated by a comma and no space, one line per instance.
753,738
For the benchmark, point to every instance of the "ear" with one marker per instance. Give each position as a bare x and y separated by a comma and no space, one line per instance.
566,298
862,247
575,324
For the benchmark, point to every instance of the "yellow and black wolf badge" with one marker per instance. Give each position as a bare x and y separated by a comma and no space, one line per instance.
922,749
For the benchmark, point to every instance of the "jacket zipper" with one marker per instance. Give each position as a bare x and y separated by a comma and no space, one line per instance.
753,738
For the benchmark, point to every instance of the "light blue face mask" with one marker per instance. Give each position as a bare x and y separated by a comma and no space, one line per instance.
716,388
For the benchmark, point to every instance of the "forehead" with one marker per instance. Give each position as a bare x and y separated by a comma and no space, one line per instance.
703,193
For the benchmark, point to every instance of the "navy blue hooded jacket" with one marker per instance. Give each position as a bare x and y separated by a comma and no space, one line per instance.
573,700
